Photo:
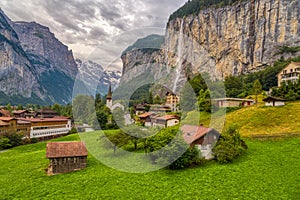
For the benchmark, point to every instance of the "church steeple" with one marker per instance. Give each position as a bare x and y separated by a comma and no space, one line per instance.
109,98
109,94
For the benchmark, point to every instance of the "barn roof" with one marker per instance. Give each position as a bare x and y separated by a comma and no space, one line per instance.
192,133
65,149
5,113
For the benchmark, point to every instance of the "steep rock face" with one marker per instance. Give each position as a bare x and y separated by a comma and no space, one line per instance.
236,39
17,74
34,65
231,40
41,45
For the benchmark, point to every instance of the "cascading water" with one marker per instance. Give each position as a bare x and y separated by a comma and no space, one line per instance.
179,55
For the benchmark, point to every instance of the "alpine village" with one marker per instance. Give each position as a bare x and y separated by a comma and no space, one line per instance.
207,109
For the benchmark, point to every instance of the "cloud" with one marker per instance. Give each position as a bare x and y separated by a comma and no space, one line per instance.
88,26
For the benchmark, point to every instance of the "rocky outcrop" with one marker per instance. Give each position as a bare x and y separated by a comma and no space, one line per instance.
34,65
17,74
237,39
42,46
231,40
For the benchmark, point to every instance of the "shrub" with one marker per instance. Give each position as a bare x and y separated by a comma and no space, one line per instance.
230,146
15,139
4,143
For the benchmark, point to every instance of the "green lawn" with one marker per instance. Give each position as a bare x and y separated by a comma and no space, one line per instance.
269,170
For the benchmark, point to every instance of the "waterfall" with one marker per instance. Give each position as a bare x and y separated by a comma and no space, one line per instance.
179,55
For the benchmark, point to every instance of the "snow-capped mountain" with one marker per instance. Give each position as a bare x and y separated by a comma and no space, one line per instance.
96,78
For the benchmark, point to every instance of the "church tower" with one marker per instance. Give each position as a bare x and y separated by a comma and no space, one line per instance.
109,103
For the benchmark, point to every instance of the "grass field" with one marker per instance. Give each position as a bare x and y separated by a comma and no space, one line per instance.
269,170
257,120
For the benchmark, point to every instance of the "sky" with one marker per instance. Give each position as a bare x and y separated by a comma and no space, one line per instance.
97,30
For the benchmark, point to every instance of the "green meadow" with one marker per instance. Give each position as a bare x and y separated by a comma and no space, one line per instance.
269,170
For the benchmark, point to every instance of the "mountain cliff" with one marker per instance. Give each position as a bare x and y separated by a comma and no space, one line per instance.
223,40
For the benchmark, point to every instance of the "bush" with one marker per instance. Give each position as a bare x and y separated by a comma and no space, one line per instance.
4,143
15,139
230,146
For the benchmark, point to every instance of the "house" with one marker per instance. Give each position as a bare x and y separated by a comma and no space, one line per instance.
172,101
164,121
290,73
232,102
202,137
4,113
7,125
45,113
66,157
140,109
274,101
20,113
47,128
146,118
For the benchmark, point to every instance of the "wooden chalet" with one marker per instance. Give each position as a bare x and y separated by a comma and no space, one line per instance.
202,137
66,157
20,113
45,113
165,121
146,118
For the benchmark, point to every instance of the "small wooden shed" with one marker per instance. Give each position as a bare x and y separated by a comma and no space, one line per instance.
66,156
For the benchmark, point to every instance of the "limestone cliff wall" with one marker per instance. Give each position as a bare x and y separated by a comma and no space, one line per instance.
231,40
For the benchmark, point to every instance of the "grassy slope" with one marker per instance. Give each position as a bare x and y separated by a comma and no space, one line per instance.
259,120
270,170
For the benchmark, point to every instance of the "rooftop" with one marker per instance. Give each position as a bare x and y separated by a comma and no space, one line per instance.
65,149
192,133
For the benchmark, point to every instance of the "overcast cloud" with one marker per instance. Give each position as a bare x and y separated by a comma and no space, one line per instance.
97,30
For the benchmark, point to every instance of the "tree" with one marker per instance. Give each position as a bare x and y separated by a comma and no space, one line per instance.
115,141
230,146
204,102
9,108
257,89
156,99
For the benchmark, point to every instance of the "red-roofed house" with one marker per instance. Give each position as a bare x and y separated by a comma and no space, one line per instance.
66,156
165,121
146,118
202,137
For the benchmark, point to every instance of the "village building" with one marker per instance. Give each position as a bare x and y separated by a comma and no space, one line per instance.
202,137
164,121
140,109
274,101
8,125
232,102
20,113
66,157
172,101
45,113
24,127
4,113
47,128
290,73
145,118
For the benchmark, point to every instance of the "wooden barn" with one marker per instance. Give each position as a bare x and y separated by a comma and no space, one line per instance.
66,157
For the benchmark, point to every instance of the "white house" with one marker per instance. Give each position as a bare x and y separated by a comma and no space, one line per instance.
202,137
